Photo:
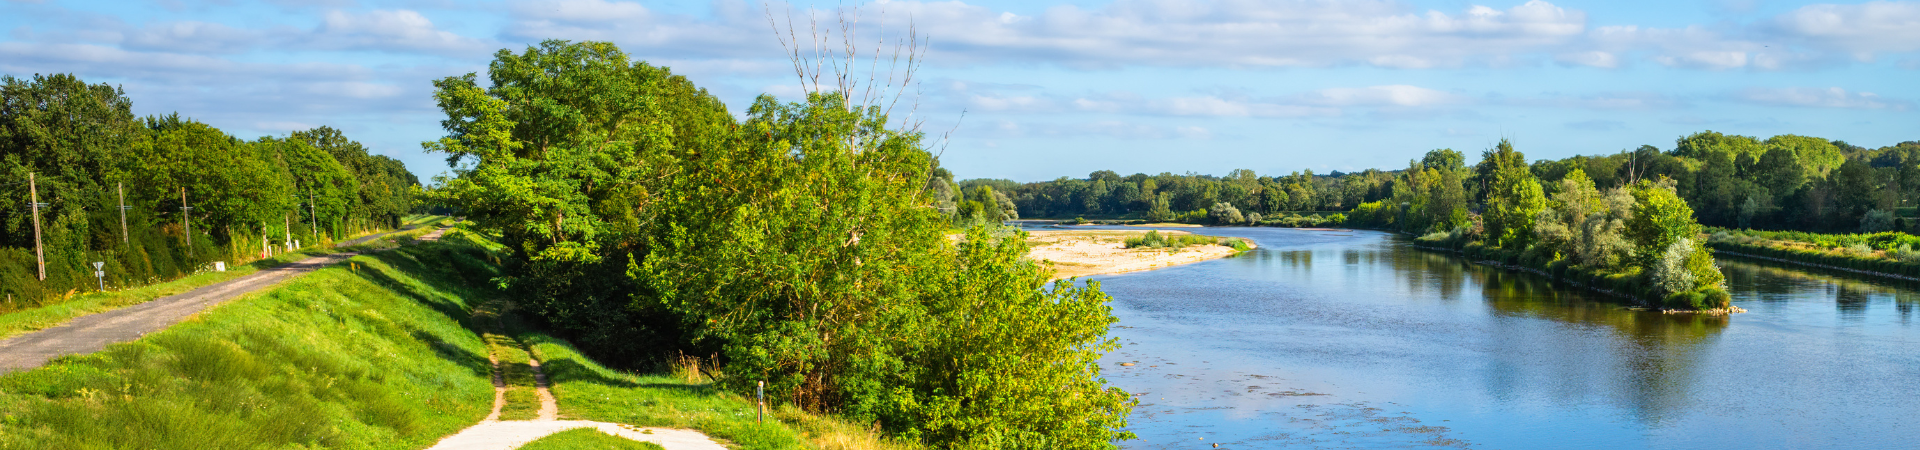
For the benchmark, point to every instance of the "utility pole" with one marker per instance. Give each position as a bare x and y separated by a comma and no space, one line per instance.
33,200
185,221
287,228
315,225
122,188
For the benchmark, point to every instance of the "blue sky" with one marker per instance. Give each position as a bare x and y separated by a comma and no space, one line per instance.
1063,88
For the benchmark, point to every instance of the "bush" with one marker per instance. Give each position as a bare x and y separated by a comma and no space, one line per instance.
1877,220
1670,274
1225,214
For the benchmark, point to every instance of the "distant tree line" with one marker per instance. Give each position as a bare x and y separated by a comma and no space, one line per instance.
84,147
1784,182
1169,197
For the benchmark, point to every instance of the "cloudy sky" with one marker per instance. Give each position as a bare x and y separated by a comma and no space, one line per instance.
1063,88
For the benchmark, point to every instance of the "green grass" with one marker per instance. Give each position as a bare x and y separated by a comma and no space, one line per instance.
1153,239
13,323
588,391
50,315
383,357
374,358
587,439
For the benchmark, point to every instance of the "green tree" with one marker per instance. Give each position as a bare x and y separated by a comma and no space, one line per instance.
1514,197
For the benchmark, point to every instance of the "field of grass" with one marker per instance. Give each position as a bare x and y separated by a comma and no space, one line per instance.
587,439
379,357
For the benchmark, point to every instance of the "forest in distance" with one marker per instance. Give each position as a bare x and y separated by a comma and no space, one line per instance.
88,155
1784,182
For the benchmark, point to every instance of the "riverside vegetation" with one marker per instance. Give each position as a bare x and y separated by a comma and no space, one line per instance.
802,245
1887,253
84,148
1784,182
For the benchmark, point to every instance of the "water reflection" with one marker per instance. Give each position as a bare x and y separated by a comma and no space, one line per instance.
1473,354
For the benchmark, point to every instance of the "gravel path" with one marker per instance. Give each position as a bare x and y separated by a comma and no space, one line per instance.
91,333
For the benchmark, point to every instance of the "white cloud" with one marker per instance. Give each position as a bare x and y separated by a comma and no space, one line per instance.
192,37
1832,97
1601,101
1594,58
1860,30
389,30
1393,95
1243,33
737,29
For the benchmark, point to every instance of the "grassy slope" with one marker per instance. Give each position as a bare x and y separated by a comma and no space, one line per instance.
588,391
23,321
373,358
385,356
587,439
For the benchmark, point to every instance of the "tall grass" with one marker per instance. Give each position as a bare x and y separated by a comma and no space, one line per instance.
1153,239
374,358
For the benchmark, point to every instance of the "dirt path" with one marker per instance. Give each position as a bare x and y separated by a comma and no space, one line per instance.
493,434
91,333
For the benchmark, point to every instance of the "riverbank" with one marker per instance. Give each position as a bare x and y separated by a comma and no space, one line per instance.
1078,253
1613,285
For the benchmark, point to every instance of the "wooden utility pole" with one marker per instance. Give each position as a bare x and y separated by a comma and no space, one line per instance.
315,225
185,220
122,189
33,200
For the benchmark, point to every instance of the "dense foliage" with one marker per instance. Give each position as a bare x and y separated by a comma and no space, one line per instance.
805,246
1783,182
83,144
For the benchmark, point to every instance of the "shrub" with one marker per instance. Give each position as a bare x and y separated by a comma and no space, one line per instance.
1876,220
1225,214
1150,240
1253,218
1670,274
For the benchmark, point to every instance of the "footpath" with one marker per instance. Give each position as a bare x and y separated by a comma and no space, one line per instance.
495,434
92,333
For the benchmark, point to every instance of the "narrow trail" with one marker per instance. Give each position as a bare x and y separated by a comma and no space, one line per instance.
495,434
93,332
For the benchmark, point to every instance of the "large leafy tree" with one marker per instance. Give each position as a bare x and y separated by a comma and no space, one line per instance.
1514,197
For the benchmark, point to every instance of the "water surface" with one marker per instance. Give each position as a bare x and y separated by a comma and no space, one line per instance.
1354,339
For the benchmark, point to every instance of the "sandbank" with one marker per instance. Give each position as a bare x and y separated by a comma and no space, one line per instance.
1078,253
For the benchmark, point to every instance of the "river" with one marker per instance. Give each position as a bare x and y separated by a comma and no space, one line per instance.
1354,339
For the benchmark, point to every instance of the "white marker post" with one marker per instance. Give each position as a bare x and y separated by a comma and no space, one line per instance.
100,274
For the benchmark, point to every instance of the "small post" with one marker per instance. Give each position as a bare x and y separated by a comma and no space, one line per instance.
760,402
39,254
122,188
99,273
